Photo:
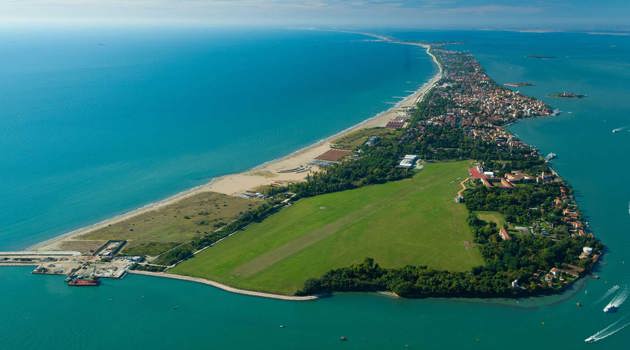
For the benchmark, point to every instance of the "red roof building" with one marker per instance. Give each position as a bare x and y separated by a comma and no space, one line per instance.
333,155
504,234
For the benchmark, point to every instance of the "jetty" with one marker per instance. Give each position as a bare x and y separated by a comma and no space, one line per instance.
567,94
518,84
102,263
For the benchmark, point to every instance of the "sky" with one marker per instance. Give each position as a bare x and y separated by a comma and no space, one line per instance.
439,14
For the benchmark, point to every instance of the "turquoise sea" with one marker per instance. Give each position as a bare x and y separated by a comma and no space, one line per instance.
96,122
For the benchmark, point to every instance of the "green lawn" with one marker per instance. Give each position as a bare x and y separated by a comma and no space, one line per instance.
491,216
413,221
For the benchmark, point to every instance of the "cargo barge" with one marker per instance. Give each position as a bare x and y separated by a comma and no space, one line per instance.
83,281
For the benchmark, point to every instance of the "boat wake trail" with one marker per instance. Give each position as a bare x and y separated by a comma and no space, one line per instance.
608,293
611,329
619,129
616,302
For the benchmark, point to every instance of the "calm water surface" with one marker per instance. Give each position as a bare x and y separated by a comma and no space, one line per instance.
97,122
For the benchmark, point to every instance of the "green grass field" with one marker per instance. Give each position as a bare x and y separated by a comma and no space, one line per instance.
357,138
491,216
154,232
413,221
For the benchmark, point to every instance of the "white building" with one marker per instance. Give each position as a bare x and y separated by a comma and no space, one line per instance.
409,161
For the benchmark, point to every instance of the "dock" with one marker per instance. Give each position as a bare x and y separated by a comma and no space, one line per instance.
71,263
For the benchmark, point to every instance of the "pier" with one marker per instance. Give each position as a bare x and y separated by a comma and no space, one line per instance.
71,263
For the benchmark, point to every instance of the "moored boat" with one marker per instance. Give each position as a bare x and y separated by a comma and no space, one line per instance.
84,281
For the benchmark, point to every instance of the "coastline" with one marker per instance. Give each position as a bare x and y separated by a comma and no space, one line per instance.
225,287
198,314
270,170
267,173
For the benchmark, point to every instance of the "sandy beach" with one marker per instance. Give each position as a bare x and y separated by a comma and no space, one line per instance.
277,171
224,287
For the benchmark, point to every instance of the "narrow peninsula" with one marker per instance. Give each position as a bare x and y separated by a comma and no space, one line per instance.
432,198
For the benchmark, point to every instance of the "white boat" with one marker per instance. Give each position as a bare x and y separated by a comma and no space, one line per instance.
610,330
550,156
590,339
617,301
610,308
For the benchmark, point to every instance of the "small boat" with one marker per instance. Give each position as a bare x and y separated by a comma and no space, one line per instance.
550,156
610,308
617,301
590,339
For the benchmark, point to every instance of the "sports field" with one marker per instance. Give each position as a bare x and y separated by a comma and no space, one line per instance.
413,221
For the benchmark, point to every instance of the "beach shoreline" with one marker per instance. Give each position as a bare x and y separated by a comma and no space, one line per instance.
225,287
267,173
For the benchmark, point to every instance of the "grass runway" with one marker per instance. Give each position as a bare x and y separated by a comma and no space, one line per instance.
413,221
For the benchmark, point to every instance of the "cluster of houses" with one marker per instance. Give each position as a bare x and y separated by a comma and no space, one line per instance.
477,104
500,137
509,179
559,275
399,122
468,99
567,271
556,276
469,86
570,214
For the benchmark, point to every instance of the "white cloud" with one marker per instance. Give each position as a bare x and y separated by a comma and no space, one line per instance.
403,13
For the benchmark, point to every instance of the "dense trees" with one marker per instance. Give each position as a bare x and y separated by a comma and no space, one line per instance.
521,205
179,253
506,261
371,165
413,281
